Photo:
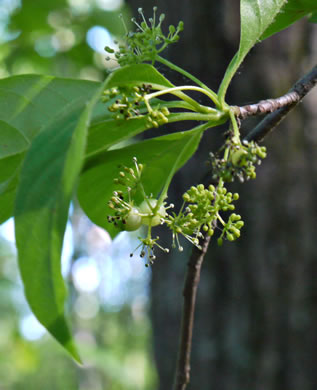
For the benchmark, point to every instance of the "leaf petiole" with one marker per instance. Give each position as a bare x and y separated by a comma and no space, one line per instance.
218,117
235,126
176,91
191,77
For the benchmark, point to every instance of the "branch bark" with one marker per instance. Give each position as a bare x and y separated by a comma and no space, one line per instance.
182,373
266,106
291,99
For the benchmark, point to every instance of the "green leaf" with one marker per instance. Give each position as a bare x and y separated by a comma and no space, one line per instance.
157,154
8,188
292,11
260,20
12,141
28,103
8,167
256,17
108,132
48,177
137,75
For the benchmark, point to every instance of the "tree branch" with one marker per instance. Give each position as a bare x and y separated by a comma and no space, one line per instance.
266,106
291,99
182,373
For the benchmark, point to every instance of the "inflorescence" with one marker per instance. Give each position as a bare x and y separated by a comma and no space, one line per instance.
147,42
131,102
199,215
125,215
239,160
143,100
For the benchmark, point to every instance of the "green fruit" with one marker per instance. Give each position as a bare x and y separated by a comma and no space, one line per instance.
149,218
133,220
237,156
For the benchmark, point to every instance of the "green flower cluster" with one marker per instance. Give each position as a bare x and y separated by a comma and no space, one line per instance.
147,42
147,249
202,213
126,215
231,229
240,159
130,103
157,116
128,100
129,216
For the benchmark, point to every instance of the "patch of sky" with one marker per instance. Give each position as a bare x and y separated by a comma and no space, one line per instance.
124,279
98,38
30,328
86,274
7,232
6,9
109,5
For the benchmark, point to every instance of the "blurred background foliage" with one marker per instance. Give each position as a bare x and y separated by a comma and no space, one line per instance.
62,38
109,298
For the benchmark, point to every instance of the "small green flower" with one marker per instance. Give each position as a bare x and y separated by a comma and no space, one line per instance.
201,212
129,102
147,41
240,161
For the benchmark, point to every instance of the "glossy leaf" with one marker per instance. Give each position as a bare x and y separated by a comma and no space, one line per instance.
256,17
106,133
9,174
259,20
157,154
28,103
292,11
12,141
137,75
48,177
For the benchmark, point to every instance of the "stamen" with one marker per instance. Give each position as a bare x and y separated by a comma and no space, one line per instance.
124,25
133,20
140,11
154,16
